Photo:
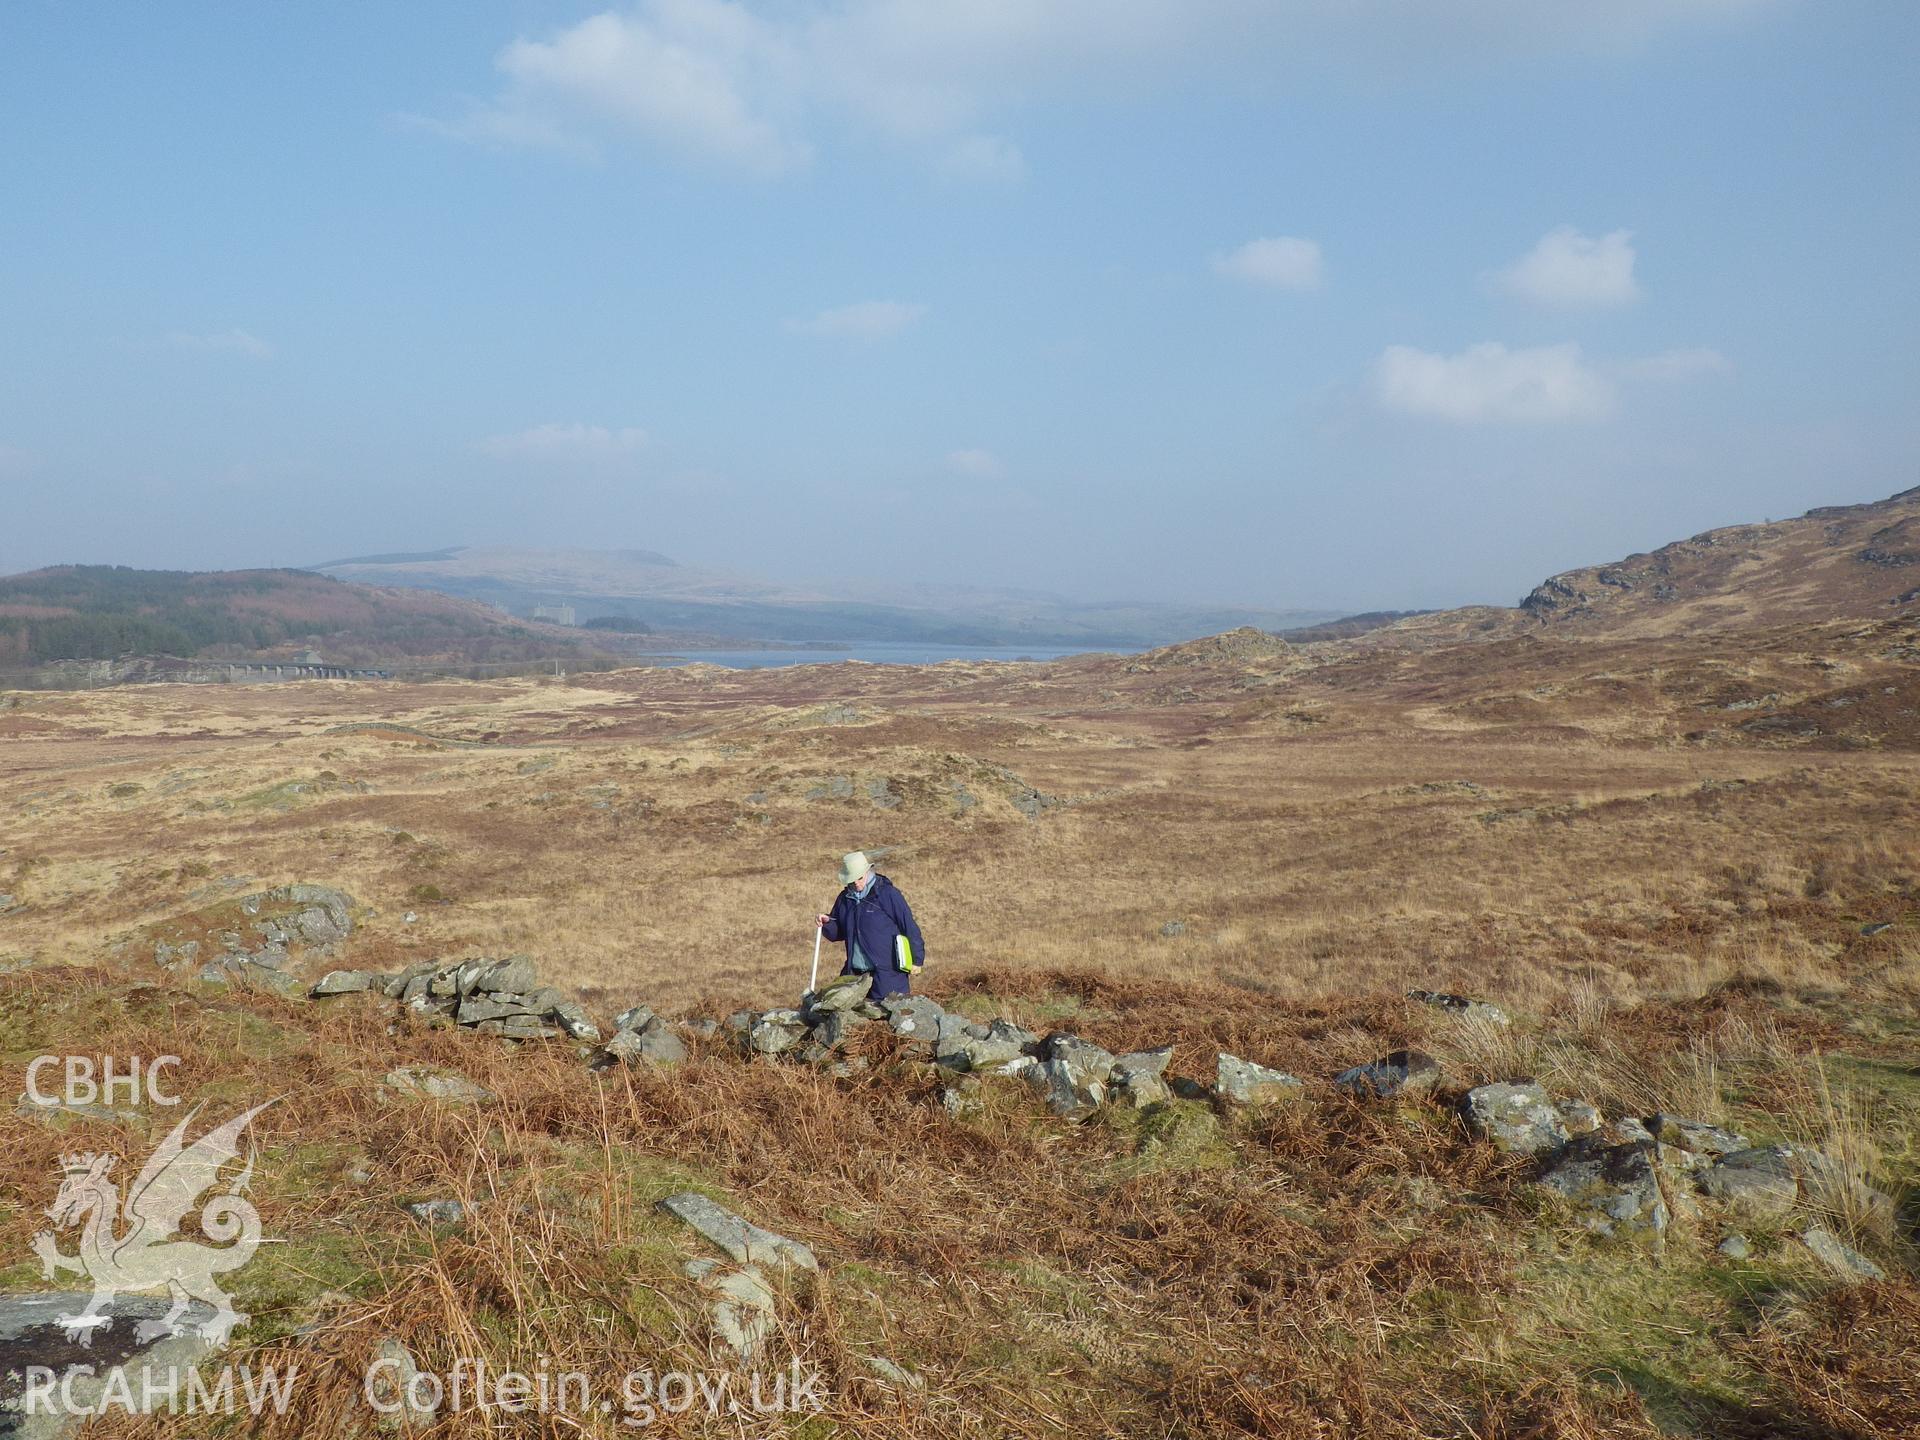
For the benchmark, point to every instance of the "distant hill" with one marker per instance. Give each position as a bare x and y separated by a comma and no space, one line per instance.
97,612
1831,563
675,599
1348,626
1838,562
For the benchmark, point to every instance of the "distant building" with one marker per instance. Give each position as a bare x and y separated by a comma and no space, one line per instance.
556,614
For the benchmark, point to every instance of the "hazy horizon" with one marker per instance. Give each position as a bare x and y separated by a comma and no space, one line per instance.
1278,305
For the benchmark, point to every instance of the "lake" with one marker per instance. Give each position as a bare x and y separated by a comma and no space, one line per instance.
895,654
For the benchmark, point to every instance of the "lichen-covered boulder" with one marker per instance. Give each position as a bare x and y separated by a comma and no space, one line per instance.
1403,1073
427,1084
514,975
776,1032
653,1044
1615,1186
1579,1117
916,1020
1138,1078
843,993
1516,1116
833,1029
1071,1093
1461,1006
1085,1062
1839,1257
978,1047
1694,1136
572,1017
1757,1184
345,982
1247,1083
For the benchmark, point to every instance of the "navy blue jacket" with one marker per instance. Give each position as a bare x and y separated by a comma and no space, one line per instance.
881,917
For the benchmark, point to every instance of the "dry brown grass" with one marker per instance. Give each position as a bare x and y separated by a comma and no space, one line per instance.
1847,1360
1676,925
1329,1268
1040,1285
595,823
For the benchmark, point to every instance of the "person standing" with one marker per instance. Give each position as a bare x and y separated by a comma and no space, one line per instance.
873,918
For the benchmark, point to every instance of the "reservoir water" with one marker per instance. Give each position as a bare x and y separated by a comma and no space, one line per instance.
893,654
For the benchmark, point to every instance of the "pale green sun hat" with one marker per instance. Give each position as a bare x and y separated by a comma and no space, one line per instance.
853,867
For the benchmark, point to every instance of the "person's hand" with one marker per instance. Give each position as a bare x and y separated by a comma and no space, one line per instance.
823,921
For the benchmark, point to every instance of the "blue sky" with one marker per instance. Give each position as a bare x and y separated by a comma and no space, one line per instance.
1328,303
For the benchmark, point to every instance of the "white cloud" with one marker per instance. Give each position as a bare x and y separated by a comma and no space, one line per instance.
1489,383
867,320
235,342
723,81
505,128
1283,262
976,464
565,444
697,77
1687,363
1568,269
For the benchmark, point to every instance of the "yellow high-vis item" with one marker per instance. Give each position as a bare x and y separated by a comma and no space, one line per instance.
903,954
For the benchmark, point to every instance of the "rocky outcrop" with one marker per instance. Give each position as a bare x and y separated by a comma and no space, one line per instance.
1832,563
251,941
1635,1176
1233,649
